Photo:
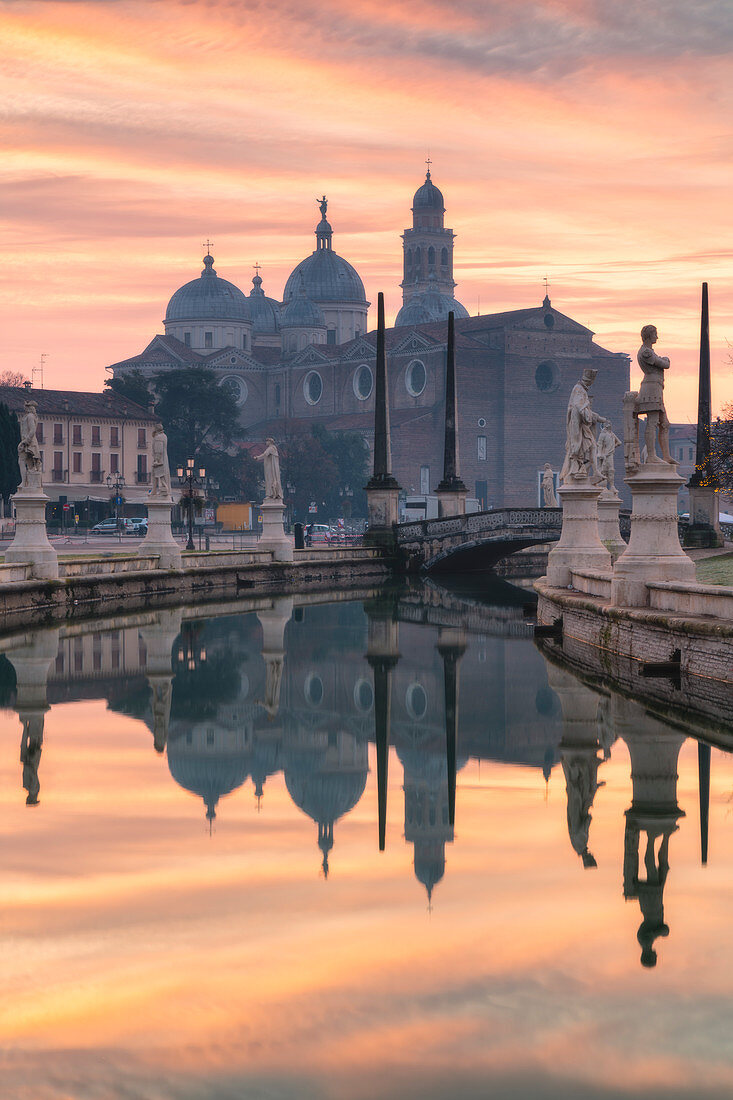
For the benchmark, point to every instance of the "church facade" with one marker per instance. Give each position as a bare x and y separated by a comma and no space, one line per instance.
310,358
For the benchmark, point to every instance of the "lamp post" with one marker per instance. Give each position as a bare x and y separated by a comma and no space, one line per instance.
116,482
190,478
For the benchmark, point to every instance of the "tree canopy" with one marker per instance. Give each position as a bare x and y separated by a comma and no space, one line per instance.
721,449
9,440
133,385
328,468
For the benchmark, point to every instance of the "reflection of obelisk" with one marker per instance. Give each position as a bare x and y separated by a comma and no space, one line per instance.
451,647
32,662
579,750
273,622
382,655
159,639
654,749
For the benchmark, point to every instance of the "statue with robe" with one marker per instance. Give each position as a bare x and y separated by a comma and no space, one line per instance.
548,487
323,205
580,441
29,453
271,464
605,448
161,470
31,746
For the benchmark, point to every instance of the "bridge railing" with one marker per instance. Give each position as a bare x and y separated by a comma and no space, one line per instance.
475,524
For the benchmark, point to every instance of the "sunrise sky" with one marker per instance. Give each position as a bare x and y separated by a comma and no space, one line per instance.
586,141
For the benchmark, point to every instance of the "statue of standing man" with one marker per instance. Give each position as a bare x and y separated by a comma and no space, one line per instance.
29,453
651,396
580,441
161,470
271,462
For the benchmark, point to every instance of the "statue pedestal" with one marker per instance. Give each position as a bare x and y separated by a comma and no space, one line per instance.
704,529
31,545
383,511
580,546
273,535
159,539
654,552
609,505
451,502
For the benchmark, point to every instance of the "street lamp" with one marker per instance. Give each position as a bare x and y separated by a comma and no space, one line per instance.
116,482
188,477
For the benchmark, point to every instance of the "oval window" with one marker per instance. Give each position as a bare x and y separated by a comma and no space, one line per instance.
313,387
415,378
363,695
546,377
314,689
363,382
236,387
416,701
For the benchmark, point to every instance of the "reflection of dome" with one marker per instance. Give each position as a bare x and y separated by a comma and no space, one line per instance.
428,197
208,298
265,312
210,775
428,306
264,763
429,865
325,796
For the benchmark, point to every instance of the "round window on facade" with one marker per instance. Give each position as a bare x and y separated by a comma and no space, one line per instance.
313,387
546,377
482,422
363,382
363,696
313,689
416,701
236,387
415,378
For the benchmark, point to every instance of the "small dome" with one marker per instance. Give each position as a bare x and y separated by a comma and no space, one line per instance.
301,312
428,306
428,197
210,775
265,312
208,298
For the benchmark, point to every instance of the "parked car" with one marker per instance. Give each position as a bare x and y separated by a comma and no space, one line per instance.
110,526
138,525
319,532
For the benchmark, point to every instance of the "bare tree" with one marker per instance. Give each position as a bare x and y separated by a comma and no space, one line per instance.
12,378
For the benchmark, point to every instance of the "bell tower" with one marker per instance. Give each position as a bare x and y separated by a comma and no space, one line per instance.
428,246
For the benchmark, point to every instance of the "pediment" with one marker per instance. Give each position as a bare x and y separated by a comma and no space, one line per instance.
362,349
414,342
309,355
233,359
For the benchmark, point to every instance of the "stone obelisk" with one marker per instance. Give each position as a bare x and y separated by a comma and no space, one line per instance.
451,491
704,529
382,489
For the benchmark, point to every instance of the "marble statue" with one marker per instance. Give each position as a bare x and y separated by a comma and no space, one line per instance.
580,443
273,682
161,708
31,746
323,205
651,395
29,454
606,447
548,487
161,469
271,462
581,780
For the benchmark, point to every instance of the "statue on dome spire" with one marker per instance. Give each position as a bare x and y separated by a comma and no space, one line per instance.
323,205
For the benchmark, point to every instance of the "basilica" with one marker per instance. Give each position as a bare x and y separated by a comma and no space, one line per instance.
309,357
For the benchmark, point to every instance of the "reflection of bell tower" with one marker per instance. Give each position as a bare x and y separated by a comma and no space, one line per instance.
427,824
428,246
654,812
579,750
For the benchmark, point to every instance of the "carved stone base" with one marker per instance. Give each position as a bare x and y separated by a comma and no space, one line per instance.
580,546
273,535
31,545
704,529
654,552
609,505
451,502
383,509
159,539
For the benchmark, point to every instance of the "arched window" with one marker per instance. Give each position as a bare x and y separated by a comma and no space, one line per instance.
277,393
408,259
444,257
431,257
418,261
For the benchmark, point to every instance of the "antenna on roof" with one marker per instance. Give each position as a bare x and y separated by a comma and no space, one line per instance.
37,372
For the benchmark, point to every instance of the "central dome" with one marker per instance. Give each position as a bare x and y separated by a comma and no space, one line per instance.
208,298
327,277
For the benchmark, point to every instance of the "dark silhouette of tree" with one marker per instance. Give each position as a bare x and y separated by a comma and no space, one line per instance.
9,440
133,385
12,378
721,449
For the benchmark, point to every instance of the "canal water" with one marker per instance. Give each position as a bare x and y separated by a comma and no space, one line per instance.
338,847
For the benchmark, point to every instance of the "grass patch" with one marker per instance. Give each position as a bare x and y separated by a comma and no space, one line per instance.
718,570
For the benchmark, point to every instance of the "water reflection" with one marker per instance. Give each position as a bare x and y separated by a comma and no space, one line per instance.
298,688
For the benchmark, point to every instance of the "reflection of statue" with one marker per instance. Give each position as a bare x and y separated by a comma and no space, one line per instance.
649,891
323,204
161,470
274,675
580,443
606,447
29,454
581,779
161,708
31,745
271,461
548,487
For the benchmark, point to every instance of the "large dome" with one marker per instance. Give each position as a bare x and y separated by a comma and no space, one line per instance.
428,197
327,277
208,298
428,306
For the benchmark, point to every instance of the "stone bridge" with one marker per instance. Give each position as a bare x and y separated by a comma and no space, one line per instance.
478,540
